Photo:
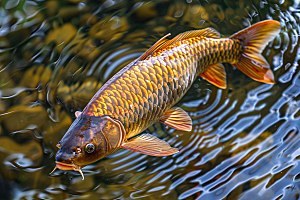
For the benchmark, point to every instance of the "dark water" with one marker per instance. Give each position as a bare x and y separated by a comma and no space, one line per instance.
54,55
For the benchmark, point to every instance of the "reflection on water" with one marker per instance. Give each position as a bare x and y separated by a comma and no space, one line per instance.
54,55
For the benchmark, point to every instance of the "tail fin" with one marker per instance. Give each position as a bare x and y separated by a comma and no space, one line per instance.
254,39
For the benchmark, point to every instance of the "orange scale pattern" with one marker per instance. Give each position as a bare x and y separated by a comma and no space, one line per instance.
142,92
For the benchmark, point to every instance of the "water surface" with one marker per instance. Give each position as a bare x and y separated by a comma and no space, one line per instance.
54,56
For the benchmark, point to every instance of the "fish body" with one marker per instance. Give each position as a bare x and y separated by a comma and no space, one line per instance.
145,91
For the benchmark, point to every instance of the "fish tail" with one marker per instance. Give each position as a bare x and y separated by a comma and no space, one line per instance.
253,40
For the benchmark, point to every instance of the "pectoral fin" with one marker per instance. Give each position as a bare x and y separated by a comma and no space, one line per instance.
216,75
149,145
77,113
178,119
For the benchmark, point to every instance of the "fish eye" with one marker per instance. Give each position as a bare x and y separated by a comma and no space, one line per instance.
89,148
58,145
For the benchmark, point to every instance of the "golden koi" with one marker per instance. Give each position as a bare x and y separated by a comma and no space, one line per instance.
144,92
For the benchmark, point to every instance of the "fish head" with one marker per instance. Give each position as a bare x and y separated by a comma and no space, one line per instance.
89,139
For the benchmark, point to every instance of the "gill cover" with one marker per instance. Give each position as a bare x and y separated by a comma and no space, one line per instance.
114,133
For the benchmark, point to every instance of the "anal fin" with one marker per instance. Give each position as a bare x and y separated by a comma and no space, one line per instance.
216,75
150,145
177,118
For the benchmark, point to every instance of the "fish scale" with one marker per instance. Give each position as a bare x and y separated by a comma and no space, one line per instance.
141,95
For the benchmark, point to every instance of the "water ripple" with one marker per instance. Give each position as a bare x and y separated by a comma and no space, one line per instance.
245,139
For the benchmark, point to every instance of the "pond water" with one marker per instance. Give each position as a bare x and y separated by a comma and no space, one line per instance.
54,56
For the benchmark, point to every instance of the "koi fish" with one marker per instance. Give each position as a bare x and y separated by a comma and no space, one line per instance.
144,92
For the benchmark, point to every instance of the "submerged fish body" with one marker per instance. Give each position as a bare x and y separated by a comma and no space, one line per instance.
144,92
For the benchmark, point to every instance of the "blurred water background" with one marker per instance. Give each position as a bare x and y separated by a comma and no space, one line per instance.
54,55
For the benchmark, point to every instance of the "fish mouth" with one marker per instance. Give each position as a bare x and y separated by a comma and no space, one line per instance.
65,167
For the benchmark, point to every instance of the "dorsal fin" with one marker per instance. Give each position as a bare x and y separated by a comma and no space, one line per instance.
208,32
158,45
163,42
